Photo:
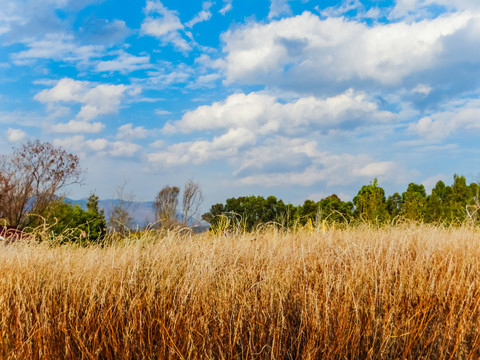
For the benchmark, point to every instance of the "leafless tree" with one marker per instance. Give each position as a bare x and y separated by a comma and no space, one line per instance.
120,219
192,200
31,178
166,204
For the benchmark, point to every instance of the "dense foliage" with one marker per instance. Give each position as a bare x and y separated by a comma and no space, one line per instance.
453,204
70,222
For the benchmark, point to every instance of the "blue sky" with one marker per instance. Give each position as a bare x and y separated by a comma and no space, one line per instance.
298,99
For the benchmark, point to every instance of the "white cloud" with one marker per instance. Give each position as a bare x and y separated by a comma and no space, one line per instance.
279,7
374,169
164,24
72,143
20,118
440,125
227,6
96,100
157,144
269,141
123,149
201,151
162,112
331,174
420,8
127,131
99,146
204,81
58,47
346,6
124,63
204,15
167,77
9,15
283,161
200,17
267,114
306,52
422,89
15,135
77,127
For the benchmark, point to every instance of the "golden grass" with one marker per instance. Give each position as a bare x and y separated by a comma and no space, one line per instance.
406,292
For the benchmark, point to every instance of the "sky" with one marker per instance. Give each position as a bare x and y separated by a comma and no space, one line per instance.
293,98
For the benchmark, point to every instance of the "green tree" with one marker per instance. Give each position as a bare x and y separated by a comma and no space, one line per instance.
394,205
370,203
457,199
310,211
71,223
247,212
436,203
473,206
97,225
333,209
414,205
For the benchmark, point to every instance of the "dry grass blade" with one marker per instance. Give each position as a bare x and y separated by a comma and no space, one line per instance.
353,292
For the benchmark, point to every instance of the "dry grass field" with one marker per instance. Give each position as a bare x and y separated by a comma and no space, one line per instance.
405,292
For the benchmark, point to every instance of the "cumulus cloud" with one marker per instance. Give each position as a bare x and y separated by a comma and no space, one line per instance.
201,151
77,127
307,53
72,143
100,146
15,135
299,161
123,149
127,131
333,170
268,115
457,117
97,144
95,99
164,24
282,149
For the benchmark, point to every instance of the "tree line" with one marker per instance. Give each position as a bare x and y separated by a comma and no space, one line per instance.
449,205
34,175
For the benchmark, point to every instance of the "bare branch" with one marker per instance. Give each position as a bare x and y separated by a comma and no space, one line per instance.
31,178
166,204
192,200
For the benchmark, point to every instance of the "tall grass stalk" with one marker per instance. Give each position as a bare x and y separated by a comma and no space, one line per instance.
404,292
